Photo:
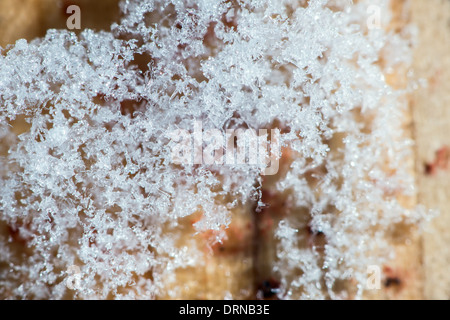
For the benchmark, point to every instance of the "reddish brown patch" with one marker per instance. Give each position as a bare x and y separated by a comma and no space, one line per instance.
16,235
127,107
440,162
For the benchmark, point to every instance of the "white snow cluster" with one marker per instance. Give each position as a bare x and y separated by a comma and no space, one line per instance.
91,184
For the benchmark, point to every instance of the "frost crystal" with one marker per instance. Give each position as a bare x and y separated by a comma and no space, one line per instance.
90,182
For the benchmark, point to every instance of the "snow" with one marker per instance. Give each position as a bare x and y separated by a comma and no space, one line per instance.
96,187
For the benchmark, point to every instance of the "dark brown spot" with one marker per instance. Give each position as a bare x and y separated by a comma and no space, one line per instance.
392,282
429,169
129,107
268,289
442,157
313,232
16,236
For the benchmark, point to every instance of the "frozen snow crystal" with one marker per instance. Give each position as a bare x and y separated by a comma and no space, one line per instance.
90,181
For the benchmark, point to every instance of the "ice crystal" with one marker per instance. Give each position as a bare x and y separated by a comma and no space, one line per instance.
91,183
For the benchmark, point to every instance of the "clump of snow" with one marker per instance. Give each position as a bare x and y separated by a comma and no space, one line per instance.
91,185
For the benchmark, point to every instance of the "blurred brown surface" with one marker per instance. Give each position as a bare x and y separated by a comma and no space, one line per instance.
431,112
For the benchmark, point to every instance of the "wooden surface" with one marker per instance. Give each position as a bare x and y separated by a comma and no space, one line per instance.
431,113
